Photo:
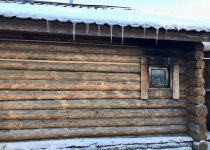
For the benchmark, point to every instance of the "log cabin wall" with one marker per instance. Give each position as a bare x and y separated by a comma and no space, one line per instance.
53,90
196,94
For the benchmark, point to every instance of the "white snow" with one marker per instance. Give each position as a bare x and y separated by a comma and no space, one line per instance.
134,18
208,135
92,143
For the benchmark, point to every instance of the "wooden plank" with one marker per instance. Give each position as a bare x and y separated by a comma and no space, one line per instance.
195,64
196,119
182,70
83,132
67,76
105,122
175,81
64,28
91,113
195,55
69,66
144,81
93,104
68,85
195,73
197,137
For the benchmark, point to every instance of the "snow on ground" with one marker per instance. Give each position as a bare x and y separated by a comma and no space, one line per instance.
135,18
175,142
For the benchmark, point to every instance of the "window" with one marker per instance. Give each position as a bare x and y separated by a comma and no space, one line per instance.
159,77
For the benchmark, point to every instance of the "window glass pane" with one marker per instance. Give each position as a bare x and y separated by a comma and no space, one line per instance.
158,77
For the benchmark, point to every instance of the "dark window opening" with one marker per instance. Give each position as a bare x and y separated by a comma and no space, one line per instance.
159,77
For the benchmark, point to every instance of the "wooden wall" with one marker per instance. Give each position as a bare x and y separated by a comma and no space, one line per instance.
52,90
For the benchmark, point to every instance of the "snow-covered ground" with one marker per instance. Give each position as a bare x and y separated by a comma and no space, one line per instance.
169,142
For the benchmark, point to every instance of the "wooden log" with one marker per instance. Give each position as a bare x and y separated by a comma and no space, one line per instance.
69,66
144,81
68,85
92,104
182,70
195,73
162,61
182,86
202,145
196,99
195,64
13,135
91,113
33,95
164,94
196,119
197,110
182,78
197,128
195,82
195,55
196,91
175,85
67,76
106,122
56,45
65,56
197,137
24,95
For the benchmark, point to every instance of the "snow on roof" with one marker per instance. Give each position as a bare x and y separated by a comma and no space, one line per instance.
100,16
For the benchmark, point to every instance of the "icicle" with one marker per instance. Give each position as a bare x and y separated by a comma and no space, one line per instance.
48,26
157,32
166,33
111,32
122,34
144,31
74,25
87,28
98,29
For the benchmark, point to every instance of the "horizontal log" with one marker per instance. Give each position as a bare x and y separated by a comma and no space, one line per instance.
195,55
69,66
65,95
195,64
202,145
92,104
68,85
182,86
67,76
164,94
195,82
197,110
24,95
91,113
65,56
195,73
182,70
162,61
182,78
196,99
70,123
197,137
196,91
12,135
60,45
196,119
197,128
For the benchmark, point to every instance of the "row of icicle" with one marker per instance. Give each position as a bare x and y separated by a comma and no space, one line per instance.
111,28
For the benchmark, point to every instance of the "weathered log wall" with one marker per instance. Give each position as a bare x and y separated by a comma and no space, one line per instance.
71,90
195,95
